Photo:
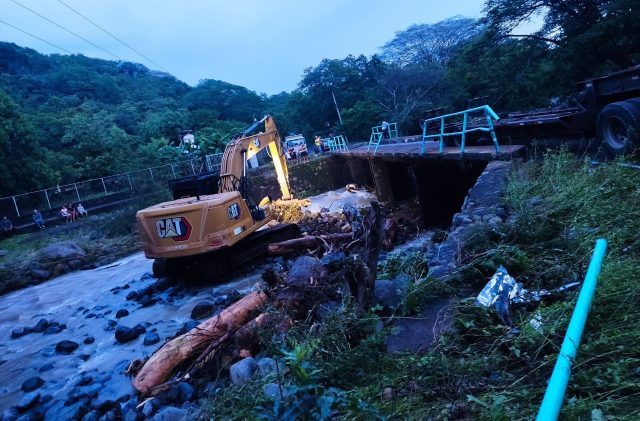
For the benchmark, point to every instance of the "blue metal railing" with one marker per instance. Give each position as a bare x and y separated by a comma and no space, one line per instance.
490,115
338,143
377,134
374,139
553,397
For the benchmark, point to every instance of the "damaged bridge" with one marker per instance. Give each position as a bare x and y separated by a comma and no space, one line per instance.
439,180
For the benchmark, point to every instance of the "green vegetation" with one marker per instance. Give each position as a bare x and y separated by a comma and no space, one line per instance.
339,369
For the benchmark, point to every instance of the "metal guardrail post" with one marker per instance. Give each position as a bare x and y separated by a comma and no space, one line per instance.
75,186
487,112
130,185
441,147
46,195
465,118
104,186
553,397
16,205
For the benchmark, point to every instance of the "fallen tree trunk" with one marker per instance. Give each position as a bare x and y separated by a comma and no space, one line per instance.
161,365
309,241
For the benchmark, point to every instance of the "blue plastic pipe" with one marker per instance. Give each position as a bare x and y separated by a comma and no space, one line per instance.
553,397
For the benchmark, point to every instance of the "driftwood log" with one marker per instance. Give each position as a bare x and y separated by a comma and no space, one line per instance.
159,368
306,242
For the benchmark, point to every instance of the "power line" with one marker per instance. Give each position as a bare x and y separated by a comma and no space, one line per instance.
111,35
36,37
65,29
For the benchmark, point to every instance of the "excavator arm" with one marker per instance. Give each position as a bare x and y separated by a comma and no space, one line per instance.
239,150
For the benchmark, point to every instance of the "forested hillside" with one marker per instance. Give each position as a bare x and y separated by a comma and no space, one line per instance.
66,118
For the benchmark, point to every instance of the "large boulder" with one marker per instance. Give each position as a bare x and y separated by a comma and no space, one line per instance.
306,269
66,347
151,338
386,294
243,370
63,250
202,309
32,383
125,334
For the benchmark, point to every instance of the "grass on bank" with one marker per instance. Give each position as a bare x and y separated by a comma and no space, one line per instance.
105,237
482,369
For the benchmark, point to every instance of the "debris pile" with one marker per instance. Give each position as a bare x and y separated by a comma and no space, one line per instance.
283,297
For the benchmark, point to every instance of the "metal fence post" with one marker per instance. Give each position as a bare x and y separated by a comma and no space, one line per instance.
75,186
105,187
15,205
47,196
153,179
464,130
130,185
173,171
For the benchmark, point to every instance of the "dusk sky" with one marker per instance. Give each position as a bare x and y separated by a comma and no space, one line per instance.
262,45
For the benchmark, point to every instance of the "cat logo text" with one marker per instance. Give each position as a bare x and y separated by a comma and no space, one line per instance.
177,228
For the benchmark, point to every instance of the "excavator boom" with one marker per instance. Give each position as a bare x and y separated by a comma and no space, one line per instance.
238,151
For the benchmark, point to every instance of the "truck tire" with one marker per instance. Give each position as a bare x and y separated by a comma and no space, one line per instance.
619,127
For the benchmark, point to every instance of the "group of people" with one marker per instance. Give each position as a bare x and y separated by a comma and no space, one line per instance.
71,213
68,212
297,153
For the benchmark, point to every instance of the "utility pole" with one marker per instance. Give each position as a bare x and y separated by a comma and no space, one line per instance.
337,109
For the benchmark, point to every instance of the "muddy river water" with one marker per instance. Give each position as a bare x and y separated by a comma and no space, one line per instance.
86,302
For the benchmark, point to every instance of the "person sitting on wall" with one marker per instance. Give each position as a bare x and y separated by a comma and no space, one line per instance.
304,153
64,212
6,225
37,219
82,211
73,212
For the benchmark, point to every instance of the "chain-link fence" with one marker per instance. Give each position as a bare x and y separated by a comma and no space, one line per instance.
102,191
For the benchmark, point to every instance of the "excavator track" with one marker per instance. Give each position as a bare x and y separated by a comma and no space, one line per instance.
218,265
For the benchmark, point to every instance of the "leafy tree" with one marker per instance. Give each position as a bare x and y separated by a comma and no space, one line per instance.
430,44
407,91
214,138
231,102
359,119
23,161
583,36
99,147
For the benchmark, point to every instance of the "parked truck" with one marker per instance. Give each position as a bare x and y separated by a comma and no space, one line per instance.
607,107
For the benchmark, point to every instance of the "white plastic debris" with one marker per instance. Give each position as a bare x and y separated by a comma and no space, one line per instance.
502,290
536,323
500,284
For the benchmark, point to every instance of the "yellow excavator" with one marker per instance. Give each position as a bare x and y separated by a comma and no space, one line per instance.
209,235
